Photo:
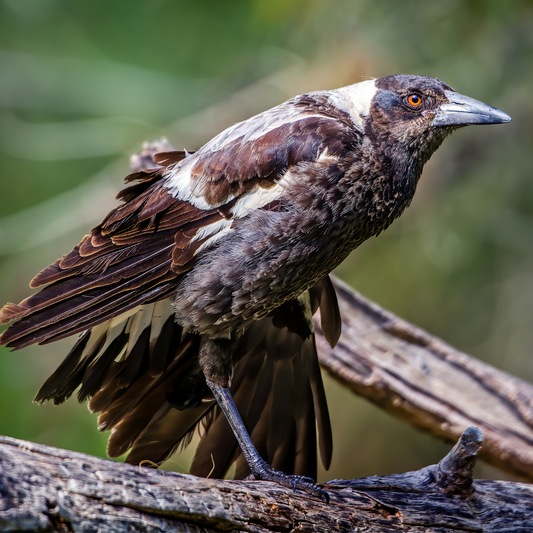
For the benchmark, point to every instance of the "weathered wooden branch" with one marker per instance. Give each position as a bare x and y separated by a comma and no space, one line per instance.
47,489
432,385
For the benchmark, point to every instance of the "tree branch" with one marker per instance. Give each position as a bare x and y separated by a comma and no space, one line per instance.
423,380
47,489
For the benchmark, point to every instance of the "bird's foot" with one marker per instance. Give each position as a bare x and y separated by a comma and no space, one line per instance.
262,471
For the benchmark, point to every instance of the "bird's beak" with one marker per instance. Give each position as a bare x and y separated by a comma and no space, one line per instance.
461,110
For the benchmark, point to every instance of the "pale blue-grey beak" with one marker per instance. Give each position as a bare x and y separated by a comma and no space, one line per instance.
461,110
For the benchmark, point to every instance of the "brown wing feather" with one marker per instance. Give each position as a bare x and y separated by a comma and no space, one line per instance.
134,240
242,165
136,255
166,159
277,387
133,367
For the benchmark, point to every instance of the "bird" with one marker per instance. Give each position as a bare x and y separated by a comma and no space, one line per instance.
194,297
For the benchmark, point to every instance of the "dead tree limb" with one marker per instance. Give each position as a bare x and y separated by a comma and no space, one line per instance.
421,379
47,489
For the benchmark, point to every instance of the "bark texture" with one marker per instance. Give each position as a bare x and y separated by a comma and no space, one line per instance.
47,489
423,380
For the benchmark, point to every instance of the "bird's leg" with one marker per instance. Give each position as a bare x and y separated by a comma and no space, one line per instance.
259,468
219,385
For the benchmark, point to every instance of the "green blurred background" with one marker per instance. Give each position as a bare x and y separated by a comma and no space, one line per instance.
83,84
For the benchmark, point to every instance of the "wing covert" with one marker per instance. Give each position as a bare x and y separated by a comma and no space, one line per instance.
137,255
255,155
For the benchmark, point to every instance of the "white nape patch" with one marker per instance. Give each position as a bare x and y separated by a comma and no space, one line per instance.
355,99
261,197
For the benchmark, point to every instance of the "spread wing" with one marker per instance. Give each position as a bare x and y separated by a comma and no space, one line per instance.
139,253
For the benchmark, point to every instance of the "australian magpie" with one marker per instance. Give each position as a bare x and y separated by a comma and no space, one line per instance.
199,288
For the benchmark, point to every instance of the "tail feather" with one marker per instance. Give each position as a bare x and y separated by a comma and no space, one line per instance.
66,379
139,367
281,433
323,295
320,404
168,429
287,405
142,409
308,420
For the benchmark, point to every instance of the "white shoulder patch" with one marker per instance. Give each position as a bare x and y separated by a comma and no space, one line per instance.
181,186
179,182
212,229
355,100
213,232
261,197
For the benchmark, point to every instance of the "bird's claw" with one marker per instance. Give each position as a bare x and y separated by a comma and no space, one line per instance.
264,472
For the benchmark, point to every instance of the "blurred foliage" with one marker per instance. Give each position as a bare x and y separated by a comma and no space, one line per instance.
82,84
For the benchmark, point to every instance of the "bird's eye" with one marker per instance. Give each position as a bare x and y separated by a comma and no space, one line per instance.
414,100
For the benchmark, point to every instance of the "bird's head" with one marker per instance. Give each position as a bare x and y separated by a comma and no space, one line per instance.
413,114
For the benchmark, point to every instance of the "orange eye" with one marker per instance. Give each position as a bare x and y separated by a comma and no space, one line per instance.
414,100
